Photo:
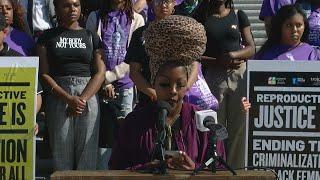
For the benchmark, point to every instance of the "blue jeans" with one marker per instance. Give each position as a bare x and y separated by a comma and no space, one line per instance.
124,99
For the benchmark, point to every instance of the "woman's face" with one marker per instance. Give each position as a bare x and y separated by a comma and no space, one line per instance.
6,8
171,84
292,30
163,8
68,10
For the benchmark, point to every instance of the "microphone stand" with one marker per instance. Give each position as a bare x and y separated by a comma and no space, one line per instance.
159,153
213,158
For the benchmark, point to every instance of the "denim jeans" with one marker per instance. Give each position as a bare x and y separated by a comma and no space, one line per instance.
124,99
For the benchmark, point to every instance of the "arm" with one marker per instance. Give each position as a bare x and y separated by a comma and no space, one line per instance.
117,73
139,5
95,82
74,102
193,74
248,42
48,80
142,84
39,102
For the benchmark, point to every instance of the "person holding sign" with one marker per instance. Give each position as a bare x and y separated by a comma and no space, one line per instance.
72,70
288,37
230,45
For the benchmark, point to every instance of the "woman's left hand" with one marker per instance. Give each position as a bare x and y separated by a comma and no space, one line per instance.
182,162
236,63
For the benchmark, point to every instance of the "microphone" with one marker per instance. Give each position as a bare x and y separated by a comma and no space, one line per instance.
206,120
219,130
163,110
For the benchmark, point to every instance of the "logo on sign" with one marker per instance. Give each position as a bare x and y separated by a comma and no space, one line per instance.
276,81
298,81
272,81
315,81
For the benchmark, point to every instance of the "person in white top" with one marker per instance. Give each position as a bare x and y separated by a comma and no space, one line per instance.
39,15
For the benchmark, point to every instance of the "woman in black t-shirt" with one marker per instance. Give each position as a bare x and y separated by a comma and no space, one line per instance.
72,70
229,45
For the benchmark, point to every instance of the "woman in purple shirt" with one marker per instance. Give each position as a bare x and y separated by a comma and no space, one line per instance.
269,8
289,37
16,38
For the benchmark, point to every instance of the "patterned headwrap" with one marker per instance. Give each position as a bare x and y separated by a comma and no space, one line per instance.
175,38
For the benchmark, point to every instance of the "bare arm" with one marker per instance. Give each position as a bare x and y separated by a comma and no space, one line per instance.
193,74
139,5
97,79
39,102
47,79
249,49
142,84
76,104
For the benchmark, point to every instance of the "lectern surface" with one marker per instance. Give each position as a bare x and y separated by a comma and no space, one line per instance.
172,174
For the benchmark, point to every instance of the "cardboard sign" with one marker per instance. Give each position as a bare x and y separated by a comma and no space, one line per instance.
18,85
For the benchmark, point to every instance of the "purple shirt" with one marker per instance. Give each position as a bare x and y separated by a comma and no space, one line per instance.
303,52
314,23
20,42
200,94
136,139
115,39
270,7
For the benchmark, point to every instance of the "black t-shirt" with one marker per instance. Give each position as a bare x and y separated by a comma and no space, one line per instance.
137,53
223,33
70,52
7,51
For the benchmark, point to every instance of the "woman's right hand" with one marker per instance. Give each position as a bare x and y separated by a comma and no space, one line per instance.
76,105
246,105
152,94
109,92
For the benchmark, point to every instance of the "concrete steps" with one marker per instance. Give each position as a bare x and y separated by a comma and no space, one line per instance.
252,9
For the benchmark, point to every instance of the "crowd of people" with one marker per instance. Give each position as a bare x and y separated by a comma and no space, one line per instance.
104,65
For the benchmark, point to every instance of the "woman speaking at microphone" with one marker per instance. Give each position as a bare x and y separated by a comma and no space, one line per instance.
172,44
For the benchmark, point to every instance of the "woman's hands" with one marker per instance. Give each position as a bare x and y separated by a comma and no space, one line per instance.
152,94
227,60
246,105
182,162
109,92
76,106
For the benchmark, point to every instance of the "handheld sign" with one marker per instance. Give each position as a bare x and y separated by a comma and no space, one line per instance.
18,82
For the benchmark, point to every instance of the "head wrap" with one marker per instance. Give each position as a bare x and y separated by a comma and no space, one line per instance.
175,38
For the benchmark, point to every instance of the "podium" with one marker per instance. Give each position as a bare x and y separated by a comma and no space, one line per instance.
172,174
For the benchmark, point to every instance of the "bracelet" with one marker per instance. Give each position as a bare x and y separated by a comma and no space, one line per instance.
52,88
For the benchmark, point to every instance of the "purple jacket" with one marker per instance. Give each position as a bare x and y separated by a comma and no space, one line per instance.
270,7
136,140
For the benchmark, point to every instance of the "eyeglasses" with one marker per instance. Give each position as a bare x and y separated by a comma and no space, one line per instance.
163,2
